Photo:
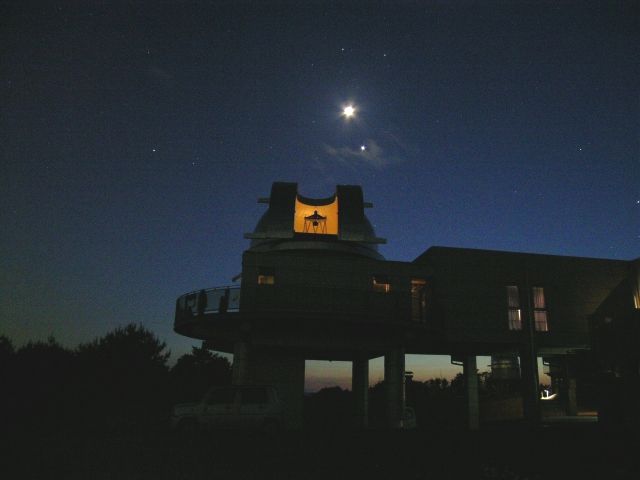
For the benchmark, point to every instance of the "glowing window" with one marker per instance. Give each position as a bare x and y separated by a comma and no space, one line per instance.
513,301
266,276
381,284
316,219
540,314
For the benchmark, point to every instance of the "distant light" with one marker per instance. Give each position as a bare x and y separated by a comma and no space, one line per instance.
363,147
153,150
349,111
547,395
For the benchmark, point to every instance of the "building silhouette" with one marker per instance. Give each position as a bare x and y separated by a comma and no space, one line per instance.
314,287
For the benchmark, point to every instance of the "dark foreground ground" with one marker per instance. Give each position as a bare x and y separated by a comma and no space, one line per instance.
499,452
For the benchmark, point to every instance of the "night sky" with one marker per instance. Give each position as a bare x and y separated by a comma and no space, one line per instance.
135,140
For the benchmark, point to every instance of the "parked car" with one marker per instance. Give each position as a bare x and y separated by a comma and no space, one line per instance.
409,420
236,407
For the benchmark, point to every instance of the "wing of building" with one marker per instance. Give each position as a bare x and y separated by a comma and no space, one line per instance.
314,286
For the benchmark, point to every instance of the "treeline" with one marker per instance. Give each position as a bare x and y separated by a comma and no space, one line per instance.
438,403
119,381
123,381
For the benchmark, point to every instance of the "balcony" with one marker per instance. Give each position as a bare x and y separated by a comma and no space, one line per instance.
206,301
320,317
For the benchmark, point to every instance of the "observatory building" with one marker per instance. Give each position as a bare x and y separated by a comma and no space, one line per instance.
314,287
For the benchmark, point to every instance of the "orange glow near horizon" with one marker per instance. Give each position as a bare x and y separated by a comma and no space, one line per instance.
303,210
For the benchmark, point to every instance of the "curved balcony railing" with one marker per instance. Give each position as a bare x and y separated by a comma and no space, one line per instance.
209,300
328,301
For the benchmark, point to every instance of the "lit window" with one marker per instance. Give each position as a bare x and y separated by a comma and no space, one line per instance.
381,284
513,301
266,276
540,314
418,299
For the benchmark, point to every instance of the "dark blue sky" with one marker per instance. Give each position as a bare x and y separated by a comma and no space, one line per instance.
135,140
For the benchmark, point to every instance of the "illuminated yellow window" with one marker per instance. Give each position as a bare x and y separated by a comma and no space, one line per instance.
266,276
381,284
316,219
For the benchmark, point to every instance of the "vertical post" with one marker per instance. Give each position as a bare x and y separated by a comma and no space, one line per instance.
240,372
360,389
529,363
470,372
394,382
569,389
285,371
529,378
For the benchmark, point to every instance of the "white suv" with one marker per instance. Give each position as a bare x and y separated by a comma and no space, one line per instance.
236,407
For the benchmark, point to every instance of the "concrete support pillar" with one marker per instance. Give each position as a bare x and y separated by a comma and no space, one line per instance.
568,391
240,369
556,382
285,371
470,371
394,382
571,404
360,389
530,386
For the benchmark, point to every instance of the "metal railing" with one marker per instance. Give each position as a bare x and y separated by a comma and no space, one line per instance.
209,300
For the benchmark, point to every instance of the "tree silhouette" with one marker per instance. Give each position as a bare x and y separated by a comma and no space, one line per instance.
330,408
6,348
7,353
194,373
123,379
41,376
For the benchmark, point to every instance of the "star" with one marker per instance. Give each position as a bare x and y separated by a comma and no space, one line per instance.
349,111
363,147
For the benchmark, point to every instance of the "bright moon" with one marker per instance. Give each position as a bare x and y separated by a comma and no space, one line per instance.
349,111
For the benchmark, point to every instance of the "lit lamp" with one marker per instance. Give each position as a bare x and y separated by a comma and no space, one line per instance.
315,223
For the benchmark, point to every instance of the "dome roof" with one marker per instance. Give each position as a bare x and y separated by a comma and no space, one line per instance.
336,223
